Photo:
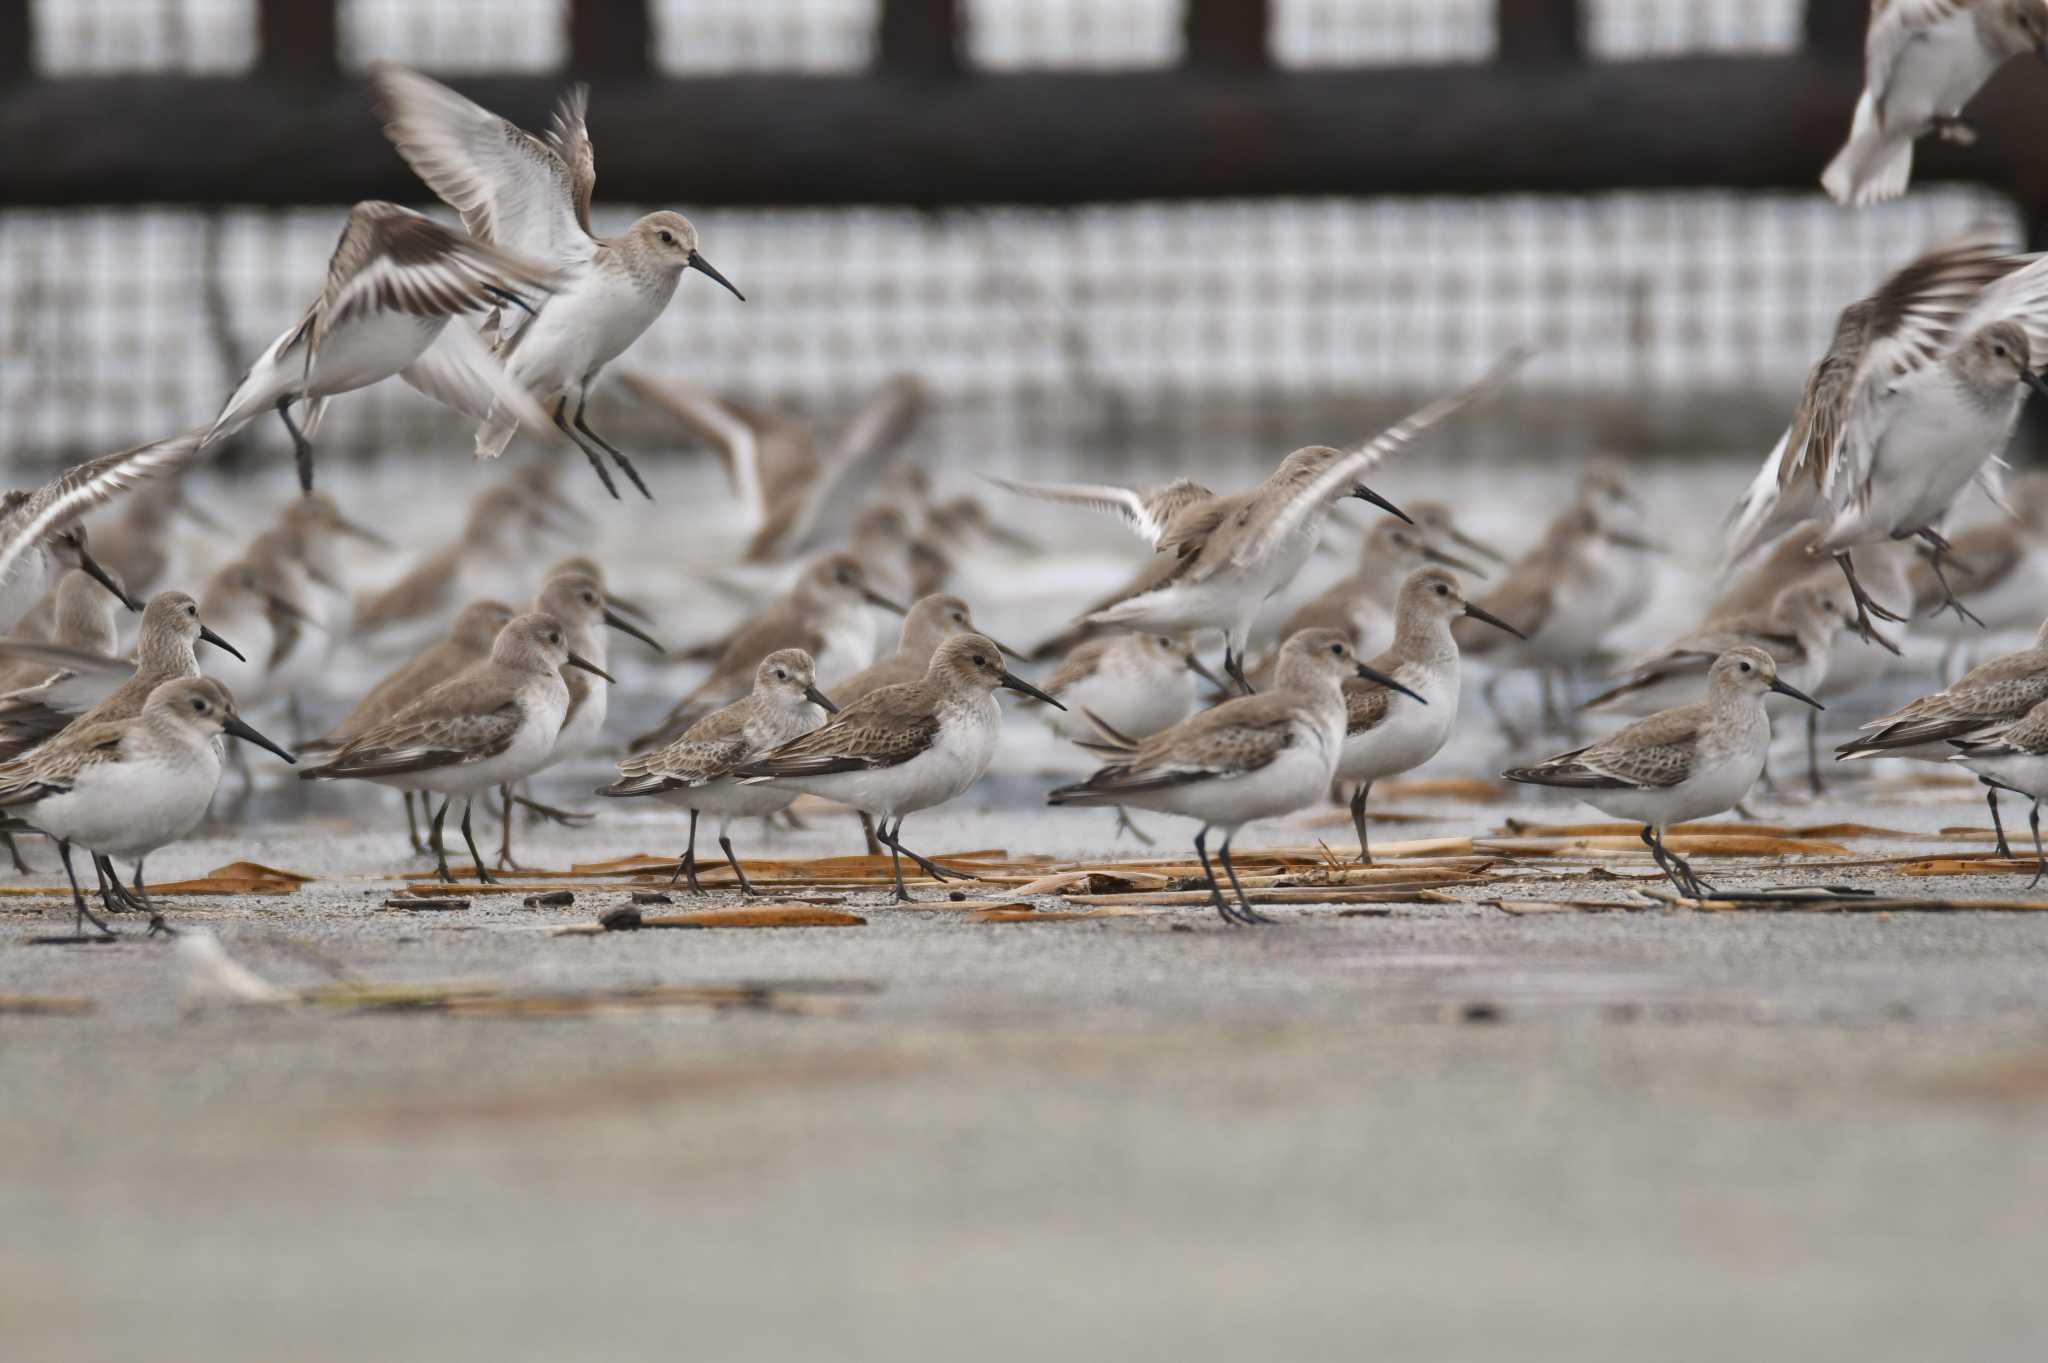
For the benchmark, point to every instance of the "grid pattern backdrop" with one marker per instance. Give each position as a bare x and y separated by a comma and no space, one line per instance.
122,325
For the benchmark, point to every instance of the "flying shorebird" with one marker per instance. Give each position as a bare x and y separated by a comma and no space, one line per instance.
1252,757
1919,389
1678,764
531,195
1923,60
696,771
126,787
39,532
1234,552
395,280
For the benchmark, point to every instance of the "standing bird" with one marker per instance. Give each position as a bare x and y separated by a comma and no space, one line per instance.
1919,389
696,771
903,748
531,195
2015,758
393,283
489,725
489,558
126,787
1252,757
81,618
1679,764
1923,60
1383,737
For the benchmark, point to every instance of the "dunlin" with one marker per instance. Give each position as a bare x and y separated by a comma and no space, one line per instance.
1364,602
2013,757
1985,699
241,599
1252,757
1678,764
1923,60
795,496
1919,389
696,771
490,725
1234,552
1385,735
1999,568
489,558
126,787
1799,632
82,618
531,195
827,615
39,532
903,748
139,547
393,283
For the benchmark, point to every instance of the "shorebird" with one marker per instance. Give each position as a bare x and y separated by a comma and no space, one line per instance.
1678,764
531,195
696,771
1923,60
468,641
578,601
137,547
2013,757
1919,390
1798,632
491,724
40,537
1234,552
1252,757
240,599
489,558
1999,567
826,615
171,628
795,497
394,281
903,748
82,618
1384,737
126,787
1984,700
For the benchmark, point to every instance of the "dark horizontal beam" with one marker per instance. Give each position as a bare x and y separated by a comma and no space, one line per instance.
1750,123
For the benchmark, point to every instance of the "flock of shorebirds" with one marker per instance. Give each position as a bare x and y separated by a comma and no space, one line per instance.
512,317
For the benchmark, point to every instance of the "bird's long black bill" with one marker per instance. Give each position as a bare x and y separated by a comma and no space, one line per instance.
1201,669
1017,683
235,726
1457,565
875,598
578,660
1366,494
697,262
625,626
1375,675
1479,547
363,533
2036,382
206,633
820,699
1490,618
1784,688
1628,541
92,569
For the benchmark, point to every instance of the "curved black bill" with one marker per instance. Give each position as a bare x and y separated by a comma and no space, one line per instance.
1017,683
206,633
625,626
697,262
1433,554
1490,618
1366,494
1629,541
875,598
1201,669
1779,685
1374,675
2035,382
233,724
1484,550
91,567
578,660
362,532
820,699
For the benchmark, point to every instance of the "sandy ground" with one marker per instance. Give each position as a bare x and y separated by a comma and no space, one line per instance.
1425,1135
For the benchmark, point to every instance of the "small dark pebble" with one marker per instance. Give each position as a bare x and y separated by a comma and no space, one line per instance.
957,896
1480,1012
553,899
625,918
418,902
651,897
1179,927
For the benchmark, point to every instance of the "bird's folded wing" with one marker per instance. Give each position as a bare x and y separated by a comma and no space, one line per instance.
1651,753
692,760
2026,736
427,741
76,660
875,732
1366,706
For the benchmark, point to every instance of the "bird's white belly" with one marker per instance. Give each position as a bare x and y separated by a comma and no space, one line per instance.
131,808
849,646
580,730
580,329
1295,779
956,760
1709,790
369,349
1135,706
1924,460
2020,771
731,799
1410,736
1935,75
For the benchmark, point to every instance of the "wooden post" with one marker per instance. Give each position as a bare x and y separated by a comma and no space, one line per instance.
1539,32
297,39
1227,35
17,39
1834,29
610,38
919,38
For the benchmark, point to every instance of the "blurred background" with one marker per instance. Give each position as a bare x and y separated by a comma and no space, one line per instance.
1098,229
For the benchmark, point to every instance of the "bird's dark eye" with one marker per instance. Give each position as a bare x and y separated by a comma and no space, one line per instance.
192,611
1442,590
198,706
980,661
1336,650
1747,668
780,675
668,239
1998,350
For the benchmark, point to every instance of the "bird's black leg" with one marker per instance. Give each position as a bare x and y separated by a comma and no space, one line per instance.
725,844
1998,826
604,475
1687,880
440,844
505,862
1866,605
81,915
1940,549
110,900
302,448
2040,861
483,874
1358,821
1813,778
1245,912
867,828
412,825
625,464
895,859
1233,667
687,864
568,818
1124,825
893,837
1223,909
21,867
156,917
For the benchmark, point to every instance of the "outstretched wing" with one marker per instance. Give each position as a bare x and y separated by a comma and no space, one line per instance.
84,487
861,454
1145,515
568,136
